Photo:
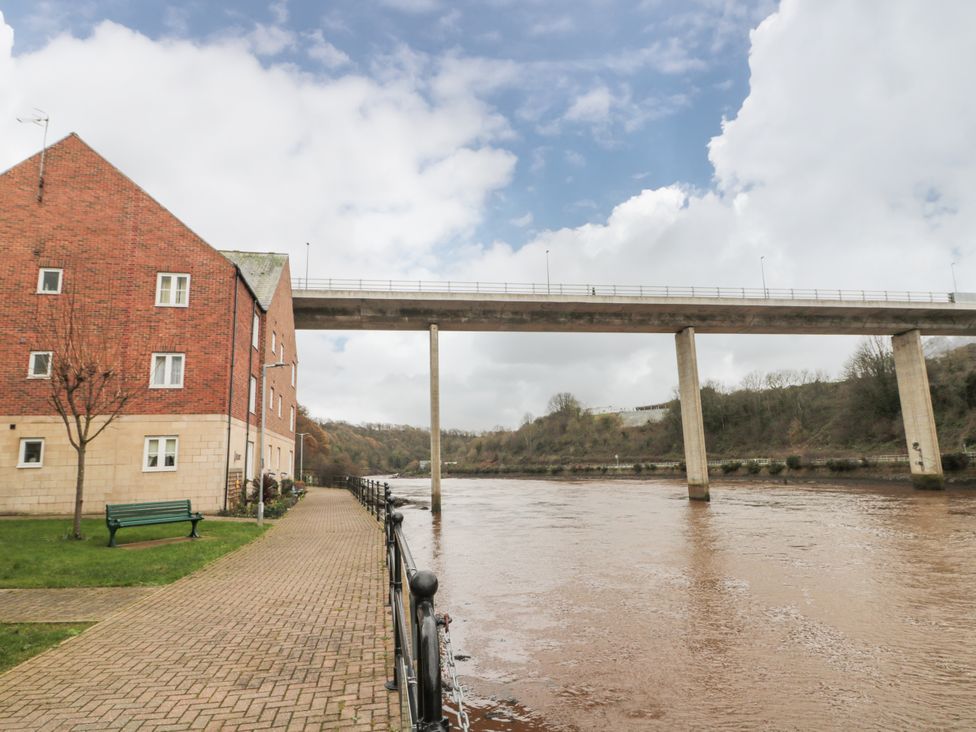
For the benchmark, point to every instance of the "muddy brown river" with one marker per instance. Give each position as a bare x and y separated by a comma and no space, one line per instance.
620,605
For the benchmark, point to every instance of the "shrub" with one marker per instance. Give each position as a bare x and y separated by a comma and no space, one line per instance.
682,467
955,461
776,468
731,466
556,469
842,466
793,462
651,466
638,468
753,467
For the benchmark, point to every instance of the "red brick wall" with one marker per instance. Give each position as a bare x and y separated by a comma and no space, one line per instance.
280,320
111,239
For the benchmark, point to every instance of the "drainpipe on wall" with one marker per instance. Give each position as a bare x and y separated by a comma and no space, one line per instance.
230,392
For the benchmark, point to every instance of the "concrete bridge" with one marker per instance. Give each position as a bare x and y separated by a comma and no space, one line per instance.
582,308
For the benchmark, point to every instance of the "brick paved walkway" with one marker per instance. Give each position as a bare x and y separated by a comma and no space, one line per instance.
289,632
67,605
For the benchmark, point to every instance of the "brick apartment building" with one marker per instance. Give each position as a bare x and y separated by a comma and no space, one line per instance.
193,327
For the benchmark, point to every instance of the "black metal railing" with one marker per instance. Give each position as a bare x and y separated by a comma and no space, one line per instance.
417,651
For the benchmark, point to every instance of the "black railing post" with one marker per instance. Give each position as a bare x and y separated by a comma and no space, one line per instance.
396,589
423,586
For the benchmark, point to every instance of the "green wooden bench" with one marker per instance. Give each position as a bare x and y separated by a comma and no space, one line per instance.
147,514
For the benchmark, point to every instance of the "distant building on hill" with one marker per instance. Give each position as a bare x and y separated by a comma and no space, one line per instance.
195,326
635,416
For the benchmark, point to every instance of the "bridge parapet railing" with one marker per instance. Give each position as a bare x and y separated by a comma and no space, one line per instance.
593,290
416,640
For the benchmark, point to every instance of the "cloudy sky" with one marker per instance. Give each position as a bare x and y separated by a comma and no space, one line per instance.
654,142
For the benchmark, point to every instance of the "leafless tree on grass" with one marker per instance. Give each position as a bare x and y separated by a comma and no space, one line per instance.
89,387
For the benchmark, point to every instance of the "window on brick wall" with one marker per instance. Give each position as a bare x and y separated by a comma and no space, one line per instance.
49,281
279,405
271,399
252,397
172,290
39,366
294,373
255,330
167,371
291,421
274,342
31,453
282,356
160,453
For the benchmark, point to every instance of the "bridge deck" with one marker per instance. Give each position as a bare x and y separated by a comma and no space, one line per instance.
602,313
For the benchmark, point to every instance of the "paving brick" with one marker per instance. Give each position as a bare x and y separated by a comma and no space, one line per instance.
271,636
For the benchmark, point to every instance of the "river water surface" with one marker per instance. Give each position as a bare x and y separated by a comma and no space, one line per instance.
621,605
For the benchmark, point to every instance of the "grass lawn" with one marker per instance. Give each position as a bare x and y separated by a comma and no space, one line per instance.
35,552
20,641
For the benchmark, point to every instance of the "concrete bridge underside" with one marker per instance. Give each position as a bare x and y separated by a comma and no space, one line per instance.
905,321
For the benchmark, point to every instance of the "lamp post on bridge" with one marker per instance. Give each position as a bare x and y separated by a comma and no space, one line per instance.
548,291
762,268
952,266
264,412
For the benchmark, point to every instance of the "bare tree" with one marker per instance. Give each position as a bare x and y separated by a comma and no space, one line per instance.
89,388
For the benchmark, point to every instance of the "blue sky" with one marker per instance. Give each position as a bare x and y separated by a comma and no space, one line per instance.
654,142
612,97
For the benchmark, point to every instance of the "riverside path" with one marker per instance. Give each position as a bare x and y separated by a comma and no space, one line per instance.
289,632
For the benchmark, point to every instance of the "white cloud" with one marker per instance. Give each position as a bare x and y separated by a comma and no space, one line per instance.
522,221
412,6
593,106
326,53
552,26
270,40
373,173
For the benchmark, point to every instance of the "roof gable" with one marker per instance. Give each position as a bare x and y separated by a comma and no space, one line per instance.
261,271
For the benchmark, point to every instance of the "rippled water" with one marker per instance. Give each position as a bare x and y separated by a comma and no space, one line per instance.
621,605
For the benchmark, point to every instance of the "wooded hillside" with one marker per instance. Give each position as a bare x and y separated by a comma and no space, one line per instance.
767,415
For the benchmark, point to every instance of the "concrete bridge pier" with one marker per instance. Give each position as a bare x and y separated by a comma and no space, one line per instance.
435,423
916,410
692,427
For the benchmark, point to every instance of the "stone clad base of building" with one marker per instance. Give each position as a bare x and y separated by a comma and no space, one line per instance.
115,464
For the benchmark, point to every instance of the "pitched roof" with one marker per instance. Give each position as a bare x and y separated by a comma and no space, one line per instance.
261,271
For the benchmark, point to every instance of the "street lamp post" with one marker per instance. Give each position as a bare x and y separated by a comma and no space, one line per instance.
548,291
952,266
264,412
301,455
762,267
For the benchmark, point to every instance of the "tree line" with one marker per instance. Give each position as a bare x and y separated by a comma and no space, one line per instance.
774,414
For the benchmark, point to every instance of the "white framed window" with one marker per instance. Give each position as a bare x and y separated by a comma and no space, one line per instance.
271,400
282,357
279,405
255,331
167,371
39,366
31,453
49,281
252,397
294,373
160,453
274,342
291,421
172,290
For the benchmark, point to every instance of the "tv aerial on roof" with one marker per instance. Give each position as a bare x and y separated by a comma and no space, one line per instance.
41,119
